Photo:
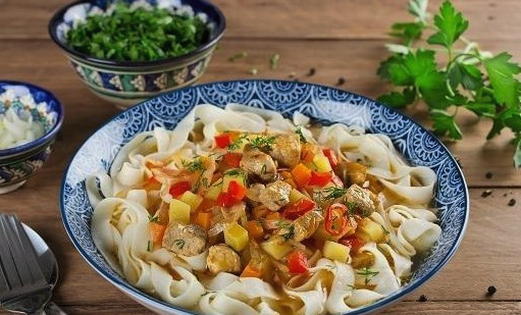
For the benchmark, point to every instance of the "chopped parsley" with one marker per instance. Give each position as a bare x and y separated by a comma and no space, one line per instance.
263,143
180,243
367,273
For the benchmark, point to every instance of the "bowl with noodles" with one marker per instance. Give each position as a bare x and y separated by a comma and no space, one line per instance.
263,196
30,118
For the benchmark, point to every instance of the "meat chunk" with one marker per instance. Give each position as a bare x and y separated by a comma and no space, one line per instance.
275,195
302,228
352,172
253,193
258,163
187,240
362,200
222,258
286,150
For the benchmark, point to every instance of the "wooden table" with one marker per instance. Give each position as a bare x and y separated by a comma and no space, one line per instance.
340,38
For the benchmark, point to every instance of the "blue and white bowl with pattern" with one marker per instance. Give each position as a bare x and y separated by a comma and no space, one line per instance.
126,83
326,104
19,163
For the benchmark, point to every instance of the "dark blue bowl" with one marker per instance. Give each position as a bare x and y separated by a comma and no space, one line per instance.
326,104
19,163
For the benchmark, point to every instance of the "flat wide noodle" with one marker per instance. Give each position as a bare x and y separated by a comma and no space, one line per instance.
121,222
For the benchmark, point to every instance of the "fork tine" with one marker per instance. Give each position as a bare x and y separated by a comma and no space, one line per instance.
25,272
8,265
29,251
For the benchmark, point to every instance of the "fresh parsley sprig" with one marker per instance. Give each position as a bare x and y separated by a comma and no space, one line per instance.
472,79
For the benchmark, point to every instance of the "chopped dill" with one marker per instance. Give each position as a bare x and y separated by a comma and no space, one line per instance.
263,143
367,273
153,218
298,131
194,165
233,172
290,233
237,142
351,207
180,243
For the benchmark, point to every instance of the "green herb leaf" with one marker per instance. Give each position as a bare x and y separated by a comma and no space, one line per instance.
469,76
418,8
408,32
399,99
450,25
445,125
501,74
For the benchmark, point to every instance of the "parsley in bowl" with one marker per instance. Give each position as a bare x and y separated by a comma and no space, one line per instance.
128,51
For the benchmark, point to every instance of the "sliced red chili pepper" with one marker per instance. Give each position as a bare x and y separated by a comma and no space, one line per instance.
236,190
352,241
297,262
223,140
298,209
331,156
180,188
232,159
335,222
320,178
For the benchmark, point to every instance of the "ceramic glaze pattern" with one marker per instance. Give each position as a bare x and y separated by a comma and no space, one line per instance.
15,172
327,105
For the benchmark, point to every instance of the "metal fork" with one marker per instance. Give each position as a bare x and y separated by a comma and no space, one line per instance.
23,286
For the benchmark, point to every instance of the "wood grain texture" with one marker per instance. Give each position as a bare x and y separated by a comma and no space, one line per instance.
339,19
354,60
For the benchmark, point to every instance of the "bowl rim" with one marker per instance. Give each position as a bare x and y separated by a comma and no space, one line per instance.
395,296
58,16
46,137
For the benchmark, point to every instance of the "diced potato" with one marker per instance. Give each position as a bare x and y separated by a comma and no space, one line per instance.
362,259
179,212
336,251
370,231
276,247
236,236
227,178
214,191
321,163
191,199
295,196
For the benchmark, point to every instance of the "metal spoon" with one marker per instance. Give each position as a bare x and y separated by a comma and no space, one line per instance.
49,267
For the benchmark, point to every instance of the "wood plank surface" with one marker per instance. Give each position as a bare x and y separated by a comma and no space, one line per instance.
354,60
340,19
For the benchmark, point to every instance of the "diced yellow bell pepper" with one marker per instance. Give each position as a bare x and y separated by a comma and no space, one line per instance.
232,175
335,251
179,212
191,199
236,236
295,196
214,191
321,163
277,247
370,231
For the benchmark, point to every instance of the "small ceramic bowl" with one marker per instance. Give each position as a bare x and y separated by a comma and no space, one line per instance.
129,82
19,163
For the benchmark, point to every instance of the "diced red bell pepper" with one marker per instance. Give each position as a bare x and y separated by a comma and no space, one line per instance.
180,188
223,140
232,159
236,190
225,199
352,241
298,209
297,262
331,156
320,178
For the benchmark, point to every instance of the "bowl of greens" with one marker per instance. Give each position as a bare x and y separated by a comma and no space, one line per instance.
128,51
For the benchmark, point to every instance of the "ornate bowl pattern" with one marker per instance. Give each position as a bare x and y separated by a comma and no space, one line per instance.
127,83
323,103
19,163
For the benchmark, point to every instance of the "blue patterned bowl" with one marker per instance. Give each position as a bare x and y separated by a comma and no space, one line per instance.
129,82
19,163
326,104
